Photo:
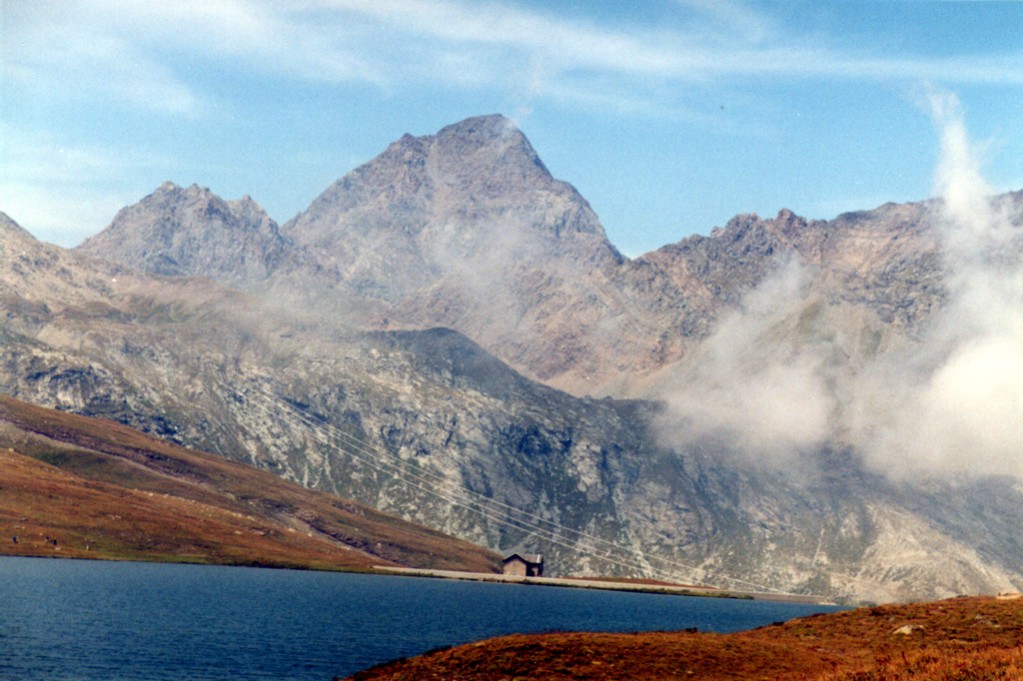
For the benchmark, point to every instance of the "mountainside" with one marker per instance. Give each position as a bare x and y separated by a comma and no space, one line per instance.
88,488
790,372
467,229
431,207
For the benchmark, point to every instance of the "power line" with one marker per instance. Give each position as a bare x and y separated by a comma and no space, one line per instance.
463,498
474,502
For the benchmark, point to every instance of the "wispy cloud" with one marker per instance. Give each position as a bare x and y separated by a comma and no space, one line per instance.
60,190
743,390
74,56
187,61
122,48
954,405
734,19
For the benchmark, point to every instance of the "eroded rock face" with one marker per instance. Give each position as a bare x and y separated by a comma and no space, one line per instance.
475,192
467,229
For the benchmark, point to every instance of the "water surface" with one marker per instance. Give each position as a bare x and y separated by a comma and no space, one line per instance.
70,620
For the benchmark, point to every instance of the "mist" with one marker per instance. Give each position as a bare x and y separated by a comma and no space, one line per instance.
783,375
753,385
953,405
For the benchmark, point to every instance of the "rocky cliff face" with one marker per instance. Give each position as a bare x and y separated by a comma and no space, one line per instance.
176,231
467,230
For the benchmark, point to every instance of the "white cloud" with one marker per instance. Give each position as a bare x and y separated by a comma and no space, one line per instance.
767,400
954,404
126,49
166,58
63,52
948,403
736,19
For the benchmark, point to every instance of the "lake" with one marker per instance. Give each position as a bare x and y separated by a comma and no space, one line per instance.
73,620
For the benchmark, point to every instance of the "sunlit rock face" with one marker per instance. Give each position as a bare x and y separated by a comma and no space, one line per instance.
468,230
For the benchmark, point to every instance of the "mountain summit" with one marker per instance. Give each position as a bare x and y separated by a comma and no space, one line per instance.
465,229
474,198
192,231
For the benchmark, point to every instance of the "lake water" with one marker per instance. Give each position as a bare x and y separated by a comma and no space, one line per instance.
69,620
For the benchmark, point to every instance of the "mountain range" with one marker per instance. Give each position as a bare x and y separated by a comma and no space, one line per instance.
447,334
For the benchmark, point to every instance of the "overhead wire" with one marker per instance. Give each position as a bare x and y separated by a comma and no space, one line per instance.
482,505
466,499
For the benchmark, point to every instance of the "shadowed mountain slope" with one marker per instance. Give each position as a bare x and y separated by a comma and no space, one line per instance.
429,426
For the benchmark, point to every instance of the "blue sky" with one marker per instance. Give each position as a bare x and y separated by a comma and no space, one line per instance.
670,116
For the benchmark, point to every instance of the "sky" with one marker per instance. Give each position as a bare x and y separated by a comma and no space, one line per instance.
669,116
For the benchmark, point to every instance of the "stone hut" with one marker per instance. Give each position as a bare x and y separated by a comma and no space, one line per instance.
523,565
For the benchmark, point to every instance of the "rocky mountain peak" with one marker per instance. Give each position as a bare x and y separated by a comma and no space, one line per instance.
191,231
484,158
466,230
474,196
492,132
493,149
485,127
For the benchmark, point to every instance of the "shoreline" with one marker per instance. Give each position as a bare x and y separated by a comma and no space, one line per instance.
606,585
562,582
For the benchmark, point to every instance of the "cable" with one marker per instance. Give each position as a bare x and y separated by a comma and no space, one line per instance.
459,499
471,501
388,468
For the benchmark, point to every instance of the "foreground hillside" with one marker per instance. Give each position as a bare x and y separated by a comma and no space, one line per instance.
88,488
965,638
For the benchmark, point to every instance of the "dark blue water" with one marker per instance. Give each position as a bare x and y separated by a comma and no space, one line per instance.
64,620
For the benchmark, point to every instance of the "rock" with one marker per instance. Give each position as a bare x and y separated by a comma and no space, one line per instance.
192,232
907,630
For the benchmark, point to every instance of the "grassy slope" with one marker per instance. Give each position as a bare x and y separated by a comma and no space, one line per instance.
962,639
102,490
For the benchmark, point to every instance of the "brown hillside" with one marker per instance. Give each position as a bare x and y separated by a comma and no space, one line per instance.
966,638
81,487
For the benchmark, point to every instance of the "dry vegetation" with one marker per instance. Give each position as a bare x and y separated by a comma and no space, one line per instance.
88,488
962,640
